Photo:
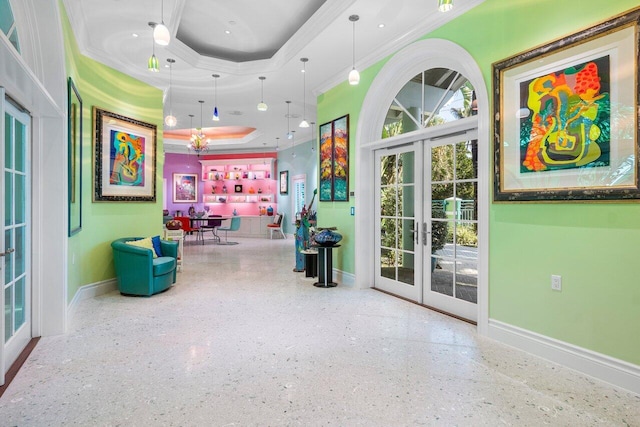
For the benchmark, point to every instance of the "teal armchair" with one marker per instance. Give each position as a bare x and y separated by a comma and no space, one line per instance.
138,273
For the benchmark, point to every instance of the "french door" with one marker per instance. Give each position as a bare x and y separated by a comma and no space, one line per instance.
15,241
399,220
427,222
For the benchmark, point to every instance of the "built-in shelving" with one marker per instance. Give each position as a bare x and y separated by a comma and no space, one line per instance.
239,181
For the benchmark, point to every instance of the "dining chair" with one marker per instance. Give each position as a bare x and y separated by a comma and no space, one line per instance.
211,225
233,226
186,226
276,225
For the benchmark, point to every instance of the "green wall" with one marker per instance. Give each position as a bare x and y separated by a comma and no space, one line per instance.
90,256
339,101
592,246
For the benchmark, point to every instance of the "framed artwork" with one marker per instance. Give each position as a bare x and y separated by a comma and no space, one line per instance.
125,159
284,182
565,122
74,124
334,160
237,188
185,188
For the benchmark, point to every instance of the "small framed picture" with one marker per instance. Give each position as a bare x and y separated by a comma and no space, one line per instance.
284,182
185,188
238,188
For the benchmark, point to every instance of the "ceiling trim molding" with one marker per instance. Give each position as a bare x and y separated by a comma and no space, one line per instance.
396,45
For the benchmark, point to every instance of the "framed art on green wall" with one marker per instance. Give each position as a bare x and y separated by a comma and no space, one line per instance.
74,126
565,118
334,160
125,158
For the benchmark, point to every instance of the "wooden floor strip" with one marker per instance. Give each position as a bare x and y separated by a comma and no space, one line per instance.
13,370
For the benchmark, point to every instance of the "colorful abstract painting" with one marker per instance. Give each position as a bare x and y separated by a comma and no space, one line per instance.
341,159
326,163
567,118
334,160
127,159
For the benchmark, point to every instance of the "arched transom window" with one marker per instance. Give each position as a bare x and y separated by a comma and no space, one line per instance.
431,98
8,23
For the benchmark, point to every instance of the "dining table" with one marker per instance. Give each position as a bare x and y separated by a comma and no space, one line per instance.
198,222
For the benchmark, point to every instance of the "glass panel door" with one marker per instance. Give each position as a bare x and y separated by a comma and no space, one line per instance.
398,204
15,242
452,282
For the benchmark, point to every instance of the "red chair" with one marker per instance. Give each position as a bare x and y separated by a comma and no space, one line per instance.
186,225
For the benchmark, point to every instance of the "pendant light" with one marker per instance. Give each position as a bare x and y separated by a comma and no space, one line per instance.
152,64
354,75
215,117
304,123
289,134
277,144
161,32
262,106
170,120
445,5
293,144
313,140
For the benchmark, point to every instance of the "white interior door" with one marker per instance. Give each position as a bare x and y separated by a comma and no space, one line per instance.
398,218
15,241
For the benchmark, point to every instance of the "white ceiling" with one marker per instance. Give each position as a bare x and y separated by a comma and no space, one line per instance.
316,29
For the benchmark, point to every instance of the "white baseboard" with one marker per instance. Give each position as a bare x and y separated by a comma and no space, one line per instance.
90,291
605,368
344,278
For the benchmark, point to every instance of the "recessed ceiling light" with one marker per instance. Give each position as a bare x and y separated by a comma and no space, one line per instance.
380,25
134,35
227,32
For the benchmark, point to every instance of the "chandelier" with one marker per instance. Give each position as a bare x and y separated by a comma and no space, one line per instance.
199,142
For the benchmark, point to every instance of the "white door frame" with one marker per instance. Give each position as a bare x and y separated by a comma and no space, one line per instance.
36,79
10,350
415,58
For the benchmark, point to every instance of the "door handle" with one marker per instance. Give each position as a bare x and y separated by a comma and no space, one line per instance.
416,231
7,252
425,234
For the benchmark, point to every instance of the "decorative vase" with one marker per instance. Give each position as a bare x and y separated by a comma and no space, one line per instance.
269,211
327,237
173,225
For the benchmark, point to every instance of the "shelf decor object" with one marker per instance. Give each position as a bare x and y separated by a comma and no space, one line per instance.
565,120
334,160
125,159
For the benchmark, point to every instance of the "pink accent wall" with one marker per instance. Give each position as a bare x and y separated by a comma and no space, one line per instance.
190,163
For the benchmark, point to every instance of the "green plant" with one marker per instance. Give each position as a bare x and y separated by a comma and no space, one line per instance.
465,235
438,230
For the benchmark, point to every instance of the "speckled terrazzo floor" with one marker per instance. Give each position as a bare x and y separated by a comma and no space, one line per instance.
241,340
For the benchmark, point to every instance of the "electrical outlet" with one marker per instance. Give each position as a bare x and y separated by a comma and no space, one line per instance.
556,282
